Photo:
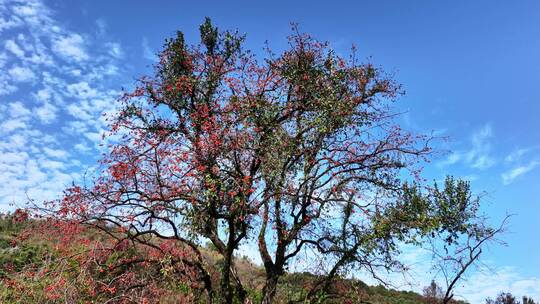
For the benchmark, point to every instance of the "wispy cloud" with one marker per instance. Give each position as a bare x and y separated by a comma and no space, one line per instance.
148,53
101,25
21,74
478,156
17,109
509,176
478,283
71,47
518,154
484,284
41,135
46,113
14,48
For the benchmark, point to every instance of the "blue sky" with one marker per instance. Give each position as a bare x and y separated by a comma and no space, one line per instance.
470,70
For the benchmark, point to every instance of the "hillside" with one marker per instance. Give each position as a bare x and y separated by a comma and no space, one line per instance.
16,256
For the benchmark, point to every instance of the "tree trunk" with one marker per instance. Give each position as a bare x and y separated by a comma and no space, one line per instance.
209,292
226,291
269,290
240,291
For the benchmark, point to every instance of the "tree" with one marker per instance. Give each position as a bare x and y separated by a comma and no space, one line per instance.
503,298
458,247
508,298
299,150
527,300
433,292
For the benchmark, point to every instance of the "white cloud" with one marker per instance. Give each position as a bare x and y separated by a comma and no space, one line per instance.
43,95
75,70
13,124
83,148
51,164
148,53
81,90
71,47
17,109
93,136
509,176
517,154
9,23
55,153
478,156
5,86
483,162
30,9
46,113
76,127
3,59
484,284
79,112
452,159
115,49
477,284
101,26
14,48
14,142
21,74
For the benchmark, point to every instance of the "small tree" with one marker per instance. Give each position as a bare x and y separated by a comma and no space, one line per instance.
433,292
508,298
457,248
503,298
527,300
